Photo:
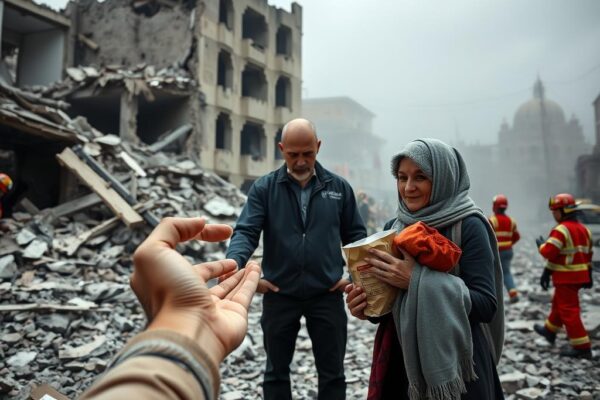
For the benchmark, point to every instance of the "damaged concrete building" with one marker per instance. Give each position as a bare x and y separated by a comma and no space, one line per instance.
588,166
35,50
244,57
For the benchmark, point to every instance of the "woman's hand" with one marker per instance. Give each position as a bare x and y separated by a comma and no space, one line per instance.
173,292
391,270
356,300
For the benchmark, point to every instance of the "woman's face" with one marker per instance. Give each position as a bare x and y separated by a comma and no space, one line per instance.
413,185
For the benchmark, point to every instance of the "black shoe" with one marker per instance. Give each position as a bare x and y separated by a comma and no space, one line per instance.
540,329
577,353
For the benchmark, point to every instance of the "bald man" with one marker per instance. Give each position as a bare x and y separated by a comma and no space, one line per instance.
306,214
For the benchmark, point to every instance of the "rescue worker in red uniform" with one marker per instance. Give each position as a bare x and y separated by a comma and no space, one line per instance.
5,187
569,254
507,235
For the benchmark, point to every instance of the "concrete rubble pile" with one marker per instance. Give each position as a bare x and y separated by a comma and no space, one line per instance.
138,80
529,369
65,302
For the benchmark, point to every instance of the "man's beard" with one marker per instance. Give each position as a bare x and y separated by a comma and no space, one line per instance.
301,176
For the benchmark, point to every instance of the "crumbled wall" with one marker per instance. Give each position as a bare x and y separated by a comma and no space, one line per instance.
128,37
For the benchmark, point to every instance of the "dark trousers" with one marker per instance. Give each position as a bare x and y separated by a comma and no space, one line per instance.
326,322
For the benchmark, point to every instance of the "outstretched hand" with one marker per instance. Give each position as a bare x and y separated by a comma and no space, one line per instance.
174,294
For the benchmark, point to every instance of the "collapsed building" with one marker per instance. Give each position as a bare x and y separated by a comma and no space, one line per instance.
245,57
223,76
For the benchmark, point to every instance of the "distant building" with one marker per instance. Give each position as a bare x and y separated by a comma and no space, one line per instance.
588,166
349,148
533,159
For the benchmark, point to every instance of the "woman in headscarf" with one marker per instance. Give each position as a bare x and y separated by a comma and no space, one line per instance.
444,336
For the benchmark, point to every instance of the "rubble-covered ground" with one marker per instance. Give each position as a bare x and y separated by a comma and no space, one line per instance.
62,317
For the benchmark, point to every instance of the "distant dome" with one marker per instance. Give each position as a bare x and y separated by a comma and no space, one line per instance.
531,111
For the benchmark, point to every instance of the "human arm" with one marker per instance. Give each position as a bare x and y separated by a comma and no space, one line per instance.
352,227
550,249
477,270
189,324
249,225
516,235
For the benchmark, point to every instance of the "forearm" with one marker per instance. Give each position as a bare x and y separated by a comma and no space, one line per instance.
159,364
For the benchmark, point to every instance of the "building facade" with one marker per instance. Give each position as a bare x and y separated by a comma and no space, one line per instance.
250,71
588,166
534,157
349,147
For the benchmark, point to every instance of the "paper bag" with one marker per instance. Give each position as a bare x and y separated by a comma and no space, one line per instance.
380,295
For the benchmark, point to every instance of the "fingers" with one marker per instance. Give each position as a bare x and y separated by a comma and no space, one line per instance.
384,256
247,287
232,285
215,233
269,285
175,230
213,269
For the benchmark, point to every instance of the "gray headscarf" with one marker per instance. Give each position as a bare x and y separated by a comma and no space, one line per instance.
450,201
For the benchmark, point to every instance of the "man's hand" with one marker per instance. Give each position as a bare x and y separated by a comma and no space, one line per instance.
174,295
545,279
265,286
339,285
539,241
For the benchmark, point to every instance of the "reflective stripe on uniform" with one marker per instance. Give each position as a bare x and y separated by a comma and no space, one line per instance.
578,341
567,268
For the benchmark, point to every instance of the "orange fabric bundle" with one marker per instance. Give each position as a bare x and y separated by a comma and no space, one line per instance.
429,247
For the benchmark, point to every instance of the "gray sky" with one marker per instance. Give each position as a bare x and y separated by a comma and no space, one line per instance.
434,67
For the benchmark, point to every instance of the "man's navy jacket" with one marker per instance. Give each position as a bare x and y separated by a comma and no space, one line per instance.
302,259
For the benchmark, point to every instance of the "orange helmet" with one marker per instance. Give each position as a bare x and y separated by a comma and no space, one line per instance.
500,202
5,183
564,201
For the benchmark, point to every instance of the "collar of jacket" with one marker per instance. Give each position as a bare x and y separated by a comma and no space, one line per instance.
322,174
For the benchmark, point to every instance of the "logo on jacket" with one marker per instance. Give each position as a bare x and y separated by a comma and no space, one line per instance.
331,194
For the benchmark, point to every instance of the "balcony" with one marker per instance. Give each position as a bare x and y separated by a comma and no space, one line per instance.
224,161
251,167
284,64
224,98
253,108
224,35
252,53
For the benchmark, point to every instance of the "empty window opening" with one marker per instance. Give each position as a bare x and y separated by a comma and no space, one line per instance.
284,41
224,70
102,110
156,119
223,132
254,83
254,27
32,48
253,141
278,155
283,95
146,8
226,13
